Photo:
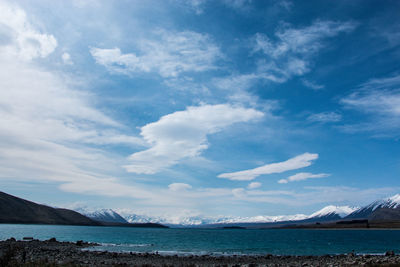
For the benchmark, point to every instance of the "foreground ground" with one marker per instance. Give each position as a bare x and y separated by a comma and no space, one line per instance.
54,253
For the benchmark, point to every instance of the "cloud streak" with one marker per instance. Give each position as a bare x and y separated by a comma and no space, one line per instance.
290,53
302,176
298,162
379,100
325,117
169,54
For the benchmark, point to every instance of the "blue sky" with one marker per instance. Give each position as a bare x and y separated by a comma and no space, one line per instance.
231,107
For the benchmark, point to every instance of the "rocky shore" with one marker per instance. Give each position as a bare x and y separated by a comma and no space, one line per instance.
55,253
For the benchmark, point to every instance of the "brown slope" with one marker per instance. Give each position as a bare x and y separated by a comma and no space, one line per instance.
18,210
385,214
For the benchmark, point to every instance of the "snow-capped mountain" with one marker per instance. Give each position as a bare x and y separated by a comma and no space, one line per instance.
388,208
103,215
333,212
172,220
327,213
265,219
385,209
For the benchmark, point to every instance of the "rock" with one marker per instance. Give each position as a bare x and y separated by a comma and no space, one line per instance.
79,242
12,239
53,239
27,238
389,253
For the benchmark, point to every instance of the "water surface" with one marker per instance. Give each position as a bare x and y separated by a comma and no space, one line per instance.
216,241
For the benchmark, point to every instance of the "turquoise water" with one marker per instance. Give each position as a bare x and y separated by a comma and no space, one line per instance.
216,241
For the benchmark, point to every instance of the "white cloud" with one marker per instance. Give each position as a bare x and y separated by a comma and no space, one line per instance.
169,54
47,132
239,85
183,134
325,117
291,53
312,85
194,5
237,82
301,177
66,58
50,130
20,38
317,195
379,100
298,162
237,4
198,6
179,186
254,185
239,192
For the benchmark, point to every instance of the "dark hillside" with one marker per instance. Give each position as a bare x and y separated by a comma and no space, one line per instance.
17,210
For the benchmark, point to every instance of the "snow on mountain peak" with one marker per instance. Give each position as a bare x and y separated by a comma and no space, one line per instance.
390,202
394,200
188,219
342,211
105,215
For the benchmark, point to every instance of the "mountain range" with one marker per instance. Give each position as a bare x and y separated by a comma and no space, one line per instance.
380,210
17,210
329,213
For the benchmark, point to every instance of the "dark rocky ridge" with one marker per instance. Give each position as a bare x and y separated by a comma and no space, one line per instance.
17,210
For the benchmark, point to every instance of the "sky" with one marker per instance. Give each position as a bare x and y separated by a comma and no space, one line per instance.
200,107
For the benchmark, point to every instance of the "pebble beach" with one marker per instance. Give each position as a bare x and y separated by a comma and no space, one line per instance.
54,253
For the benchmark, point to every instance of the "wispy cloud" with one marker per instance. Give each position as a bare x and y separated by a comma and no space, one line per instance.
288,54
198,6
179,186
66,58
325,117
379,99
312,85
254,185
291,52
302,176
298,162
183,134
169,54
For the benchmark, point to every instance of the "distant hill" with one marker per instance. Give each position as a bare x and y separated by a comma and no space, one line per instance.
17,210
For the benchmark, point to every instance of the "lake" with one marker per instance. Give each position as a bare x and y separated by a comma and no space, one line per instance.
216,241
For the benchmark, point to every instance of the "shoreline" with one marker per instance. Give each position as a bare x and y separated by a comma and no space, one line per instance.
54,253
